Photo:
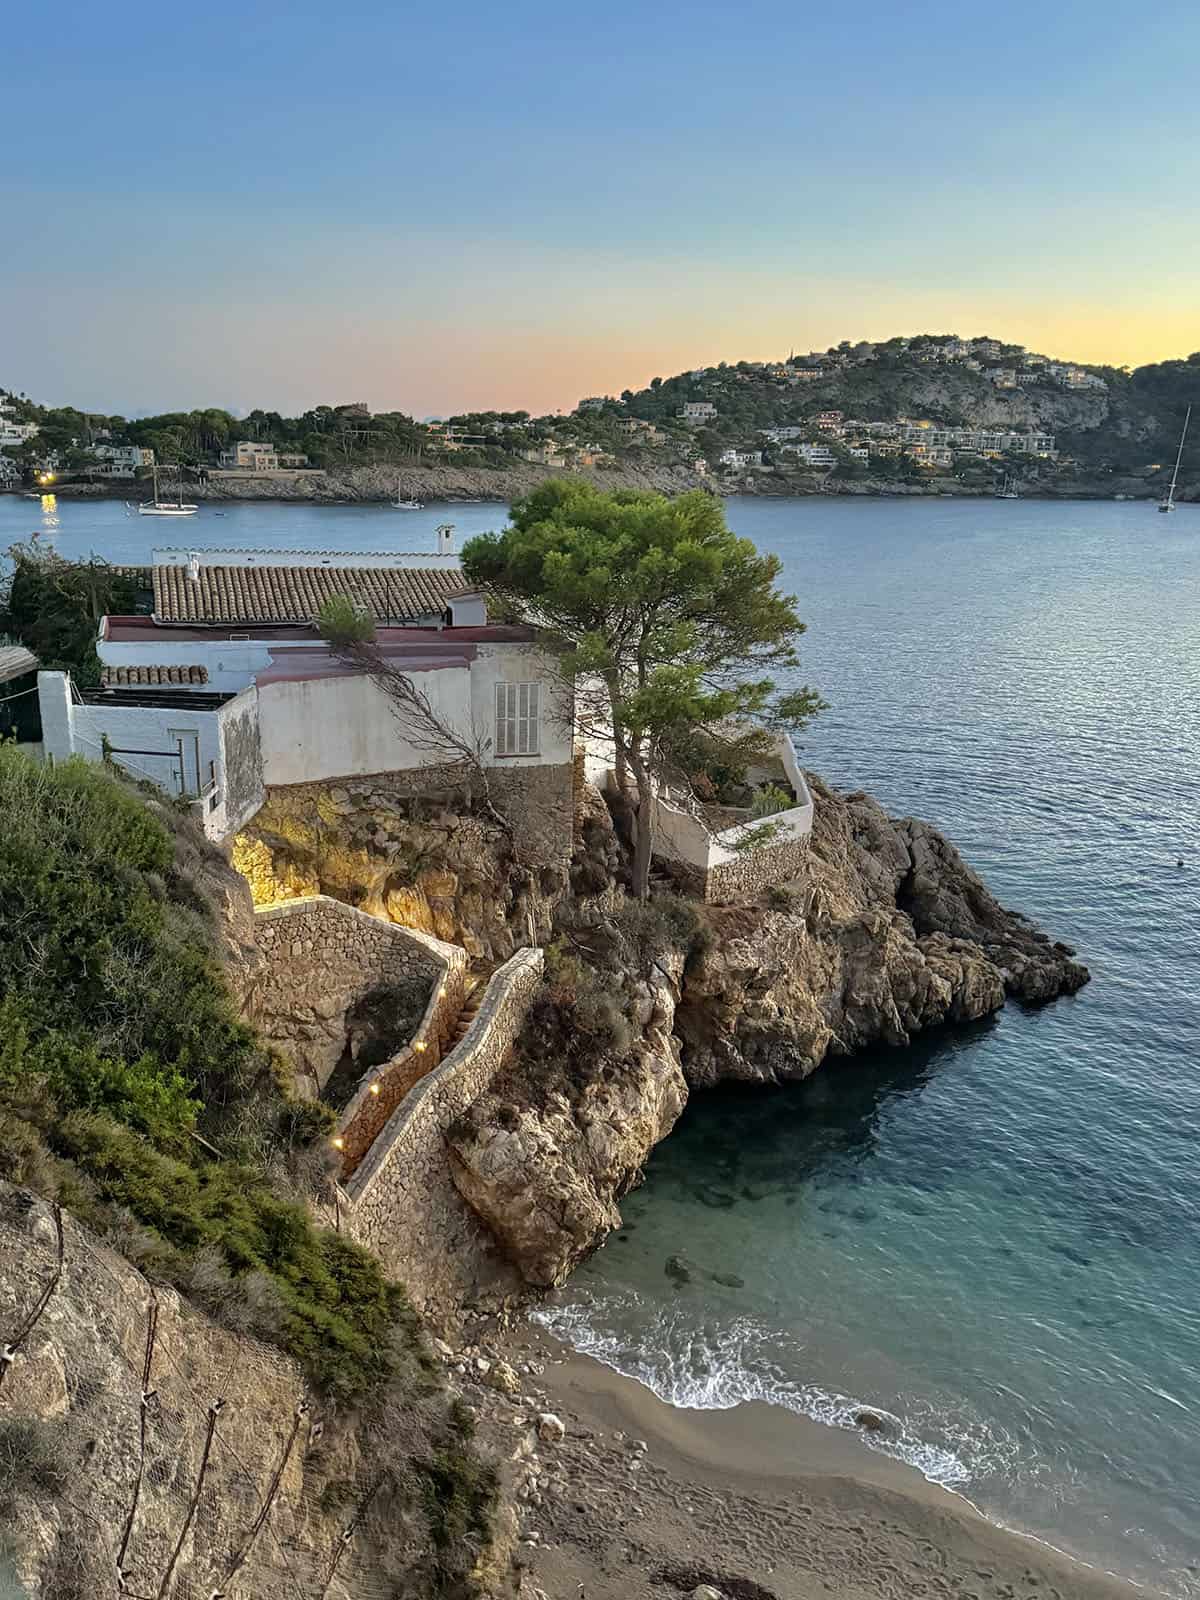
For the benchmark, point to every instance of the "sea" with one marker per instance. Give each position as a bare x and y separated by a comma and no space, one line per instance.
993,1236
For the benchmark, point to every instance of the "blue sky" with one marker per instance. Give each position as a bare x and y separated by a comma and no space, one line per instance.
441,207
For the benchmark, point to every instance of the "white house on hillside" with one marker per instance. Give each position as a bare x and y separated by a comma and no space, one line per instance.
228,691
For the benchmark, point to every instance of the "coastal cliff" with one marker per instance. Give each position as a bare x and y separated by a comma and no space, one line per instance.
144,1447
887,933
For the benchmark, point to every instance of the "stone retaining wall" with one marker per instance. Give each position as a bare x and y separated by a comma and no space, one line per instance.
771,863
401,1201
320,957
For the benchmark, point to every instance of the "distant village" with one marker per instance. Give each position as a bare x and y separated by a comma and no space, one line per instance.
725,423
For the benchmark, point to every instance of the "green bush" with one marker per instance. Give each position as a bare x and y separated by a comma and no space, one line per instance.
118,1037
459,1493
33,1459
770,800
342,622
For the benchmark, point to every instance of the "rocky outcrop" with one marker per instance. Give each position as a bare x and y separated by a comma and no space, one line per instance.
892,933
545,1164
887,933
374,485
426,861
145,1447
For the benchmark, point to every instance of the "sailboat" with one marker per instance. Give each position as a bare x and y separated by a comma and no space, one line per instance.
1167,503
164,508
406,505
1007,490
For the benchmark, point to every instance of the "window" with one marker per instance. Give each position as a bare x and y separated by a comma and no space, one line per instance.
517,719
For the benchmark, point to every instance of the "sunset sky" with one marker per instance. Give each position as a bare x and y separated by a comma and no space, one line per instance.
440,208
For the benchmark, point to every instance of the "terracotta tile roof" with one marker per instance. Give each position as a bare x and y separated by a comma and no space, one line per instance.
130,677
296,594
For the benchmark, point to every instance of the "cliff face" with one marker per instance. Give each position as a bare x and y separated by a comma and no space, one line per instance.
887,933
544,1163
138,1435
892,933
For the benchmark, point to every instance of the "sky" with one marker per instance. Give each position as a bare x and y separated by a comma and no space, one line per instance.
443,208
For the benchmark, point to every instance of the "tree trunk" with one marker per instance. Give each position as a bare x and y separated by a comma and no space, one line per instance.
643,838
620,761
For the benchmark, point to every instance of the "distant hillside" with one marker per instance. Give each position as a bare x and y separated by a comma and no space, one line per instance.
931,413
1128,420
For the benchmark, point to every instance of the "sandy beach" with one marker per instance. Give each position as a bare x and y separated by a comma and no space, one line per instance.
639,1498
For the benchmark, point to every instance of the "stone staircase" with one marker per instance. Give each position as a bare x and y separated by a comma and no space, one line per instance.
474,988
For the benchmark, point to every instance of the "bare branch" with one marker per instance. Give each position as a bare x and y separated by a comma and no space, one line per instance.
422,726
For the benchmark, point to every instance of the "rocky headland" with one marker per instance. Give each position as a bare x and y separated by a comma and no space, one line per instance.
194,1448
887,933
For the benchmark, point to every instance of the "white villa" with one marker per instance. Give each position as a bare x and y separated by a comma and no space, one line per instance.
226,692
227,689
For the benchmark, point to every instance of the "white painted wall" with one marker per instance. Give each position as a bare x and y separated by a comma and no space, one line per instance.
69,728
522,663
682,836
323,728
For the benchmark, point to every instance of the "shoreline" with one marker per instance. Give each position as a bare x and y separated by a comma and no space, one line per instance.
640,1497
285,490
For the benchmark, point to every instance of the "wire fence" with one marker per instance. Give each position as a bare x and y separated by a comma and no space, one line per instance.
193,1463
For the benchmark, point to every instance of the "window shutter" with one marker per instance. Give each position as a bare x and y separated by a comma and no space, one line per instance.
505,731
518,706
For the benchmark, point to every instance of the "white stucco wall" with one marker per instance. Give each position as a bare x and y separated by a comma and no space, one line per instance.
69,729
343,726
324,728
521,663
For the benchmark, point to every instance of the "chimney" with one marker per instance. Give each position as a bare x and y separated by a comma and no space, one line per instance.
194,566
445,539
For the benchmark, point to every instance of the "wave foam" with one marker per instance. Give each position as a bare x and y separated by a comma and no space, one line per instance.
714,1369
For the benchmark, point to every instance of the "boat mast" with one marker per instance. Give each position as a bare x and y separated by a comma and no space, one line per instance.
1179,457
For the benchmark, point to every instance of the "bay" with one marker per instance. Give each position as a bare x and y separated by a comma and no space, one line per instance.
994,1235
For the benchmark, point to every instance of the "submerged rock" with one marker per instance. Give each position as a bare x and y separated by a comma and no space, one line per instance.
870,1421
678,1270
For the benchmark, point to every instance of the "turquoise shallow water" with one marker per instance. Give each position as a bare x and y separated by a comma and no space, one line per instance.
996,1234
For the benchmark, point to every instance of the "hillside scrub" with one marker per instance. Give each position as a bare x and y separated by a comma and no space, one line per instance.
131,1093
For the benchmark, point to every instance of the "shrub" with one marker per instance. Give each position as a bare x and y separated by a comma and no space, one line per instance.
342,622
770,800
458,1492
33,1459
650,928
117,1035
779,897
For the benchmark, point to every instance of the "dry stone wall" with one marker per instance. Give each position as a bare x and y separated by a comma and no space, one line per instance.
756,869
401,1202
320,957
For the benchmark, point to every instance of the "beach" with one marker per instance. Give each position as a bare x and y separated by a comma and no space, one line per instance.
639,1498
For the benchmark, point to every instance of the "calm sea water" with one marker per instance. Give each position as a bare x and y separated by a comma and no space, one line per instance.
994,1236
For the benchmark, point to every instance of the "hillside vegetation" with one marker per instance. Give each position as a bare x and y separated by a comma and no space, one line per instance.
130,1091
1127,424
